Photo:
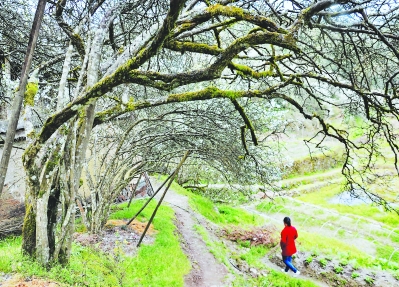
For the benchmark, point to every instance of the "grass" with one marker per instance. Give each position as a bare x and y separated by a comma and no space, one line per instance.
161,264
319,244
236,216
86,267
219,213
275,279
367,211
254,254
222,213
217,248
252,257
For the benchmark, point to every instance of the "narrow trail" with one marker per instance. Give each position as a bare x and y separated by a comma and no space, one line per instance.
206,270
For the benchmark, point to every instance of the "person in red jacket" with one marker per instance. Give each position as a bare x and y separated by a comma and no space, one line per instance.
287,243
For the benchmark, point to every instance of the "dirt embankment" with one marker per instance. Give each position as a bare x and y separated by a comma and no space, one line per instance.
12,214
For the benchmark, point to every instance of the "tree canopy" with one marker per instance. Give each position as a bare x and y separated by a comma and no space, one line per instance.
99,61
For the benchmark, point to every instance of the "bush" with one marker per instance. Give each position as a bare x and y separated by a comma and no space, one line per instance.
338,269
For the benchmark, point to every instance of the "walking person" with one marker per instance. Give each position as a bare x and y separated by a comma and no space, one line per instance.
287,244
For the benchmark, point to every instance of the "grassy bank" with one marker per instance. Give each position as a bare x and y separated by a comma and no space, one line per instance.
162,263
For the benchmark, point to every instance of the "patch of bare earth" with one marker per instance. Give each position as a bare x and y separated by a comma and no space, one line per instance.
18,281
117,237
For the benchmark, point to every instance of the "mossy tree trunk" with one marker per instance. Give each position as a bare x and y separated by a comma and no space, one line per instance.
53,176
42,195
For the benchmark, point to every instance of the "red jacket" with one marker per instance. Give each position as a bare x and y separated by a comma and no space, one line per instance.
287,243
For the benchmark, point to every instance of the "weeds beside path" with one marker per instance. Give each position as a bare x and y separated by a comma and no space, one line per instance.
206,270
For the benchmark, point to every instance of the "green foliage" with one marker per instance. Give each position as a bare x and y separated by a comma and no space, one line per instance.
219,213
79,226
323,262
309,259
369,280
355,275
279,279
223,195
386,251
245,243
358,129
343,262
161,264
86,268
253,256
322,196
271,207
338,269
217,248
317,243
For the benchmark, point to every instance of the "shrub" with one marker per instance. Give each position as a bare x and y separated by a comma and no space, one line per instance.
369,280
323,262
338,269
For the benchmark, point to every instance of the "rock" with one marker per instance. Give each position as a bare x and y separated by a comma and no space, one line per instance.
260,195
253,272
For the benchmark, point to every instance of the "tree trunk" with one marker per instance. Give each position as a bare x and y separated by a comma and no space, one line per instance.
17,103
54,176
4,109
42,195
61,98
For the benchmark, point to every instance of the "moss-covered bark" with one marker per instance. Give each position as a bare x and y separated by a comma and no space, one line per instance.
29,231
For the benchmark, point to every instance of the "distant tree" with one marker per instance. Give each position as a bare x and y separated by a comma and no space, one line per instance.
124,56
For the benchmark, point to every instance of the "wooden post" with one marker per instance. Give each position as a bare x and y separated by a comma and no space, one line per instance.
163,196
148,201
18,99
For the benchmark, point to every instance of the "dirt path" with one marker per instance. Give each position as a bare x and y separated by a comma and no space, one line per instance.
206,270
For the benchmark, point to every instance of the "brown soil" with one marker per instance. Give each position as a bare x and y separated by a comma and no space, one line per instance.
17,281
134,225
116,239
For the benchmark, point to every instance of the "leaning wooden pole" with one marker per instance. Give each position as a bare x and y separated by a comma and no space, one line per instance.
163,196
152,196
18,99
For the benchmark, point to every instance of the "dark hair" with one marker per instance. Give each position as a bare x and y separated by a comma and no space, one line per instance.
287,221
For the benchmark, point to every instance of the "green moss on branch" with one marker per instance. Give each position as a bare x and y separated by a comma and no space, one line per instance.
30,93
241,14
207,93
193,47
246,71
